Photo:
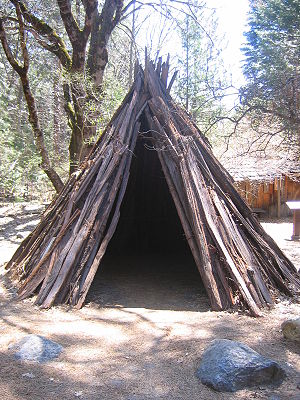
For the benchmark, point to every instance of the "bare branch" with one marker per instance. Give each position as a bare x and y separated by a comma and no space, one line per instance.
10,57
68,19
41,28
30,100
22,36
90,7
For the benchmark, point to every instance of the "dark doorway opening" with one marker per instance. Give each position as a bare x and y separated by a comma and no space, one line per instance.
148,262
149,222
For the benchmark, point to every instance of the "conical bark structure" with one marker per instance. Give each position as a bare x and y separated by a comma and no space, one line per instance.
238,262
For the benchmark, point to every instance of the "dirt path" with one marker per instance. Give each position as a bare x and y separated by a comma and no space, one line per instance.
281,231
140,337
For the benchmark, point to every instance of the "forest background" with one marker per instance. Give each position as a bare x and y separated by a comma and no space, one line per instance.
65,66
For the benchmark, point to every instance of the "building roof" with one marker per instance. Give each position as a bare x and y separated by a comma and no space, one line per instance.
252,168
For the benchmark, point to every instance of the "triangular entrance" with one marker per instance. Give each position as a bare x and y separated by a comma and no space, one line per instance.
240,265
148,222
148,263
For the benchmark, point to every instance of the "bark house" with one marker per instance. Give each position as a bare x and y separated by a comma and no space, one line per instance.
265,183
240,265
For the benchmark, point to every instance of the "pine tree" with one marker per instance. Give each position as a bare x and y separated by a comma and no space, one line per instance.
272,63
200,85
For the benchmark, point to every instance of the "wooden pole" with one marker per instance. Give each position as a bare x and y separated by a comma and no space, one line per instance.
278,198
296,225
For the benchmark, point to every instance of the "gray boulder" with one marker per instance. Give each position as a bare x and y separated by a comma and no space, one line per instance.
228,366
291,329
36,348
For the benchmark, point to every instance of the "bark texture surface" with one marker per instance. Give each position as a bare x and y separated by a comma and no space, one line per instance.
240,265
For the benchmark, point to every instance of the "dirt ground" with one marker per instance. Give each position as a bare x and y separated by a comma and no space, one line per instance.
141,334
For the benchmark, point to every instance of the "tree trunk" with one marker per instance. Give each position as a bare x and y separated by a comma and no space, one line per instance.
97,27
38,135
22,71
57,134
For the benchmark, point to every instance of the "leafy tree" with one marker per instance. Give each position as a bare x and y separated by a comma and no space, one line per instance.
201,83
20,175
81,49
77,37
21,160
20,64
272,65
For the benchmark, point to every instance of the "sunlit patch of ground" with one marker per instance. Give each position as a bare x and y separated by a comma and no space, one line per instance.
281,231
136,339
17,220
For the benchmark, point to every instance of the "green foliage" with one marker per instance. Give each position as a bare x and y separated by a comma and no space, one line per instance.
199,87
201,83
113,94
272,62
20,172
116,78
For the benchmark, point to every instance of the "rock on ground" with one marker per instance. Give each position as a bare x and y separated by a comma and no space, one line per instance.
36,348
228,366
291,329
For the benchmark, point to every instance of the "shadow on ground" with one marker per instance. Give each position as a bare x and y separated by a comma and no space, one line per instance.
17,221
133,353
140,337
157,282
